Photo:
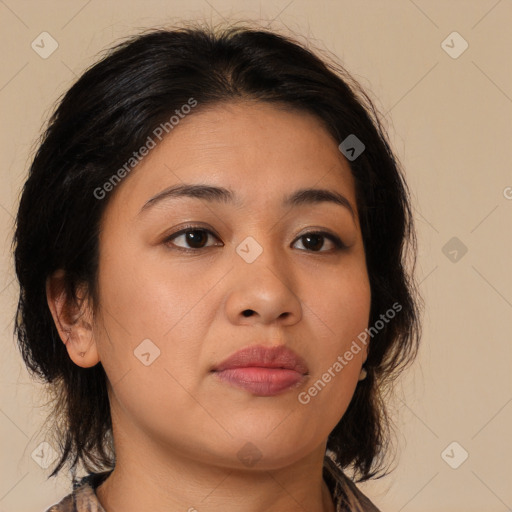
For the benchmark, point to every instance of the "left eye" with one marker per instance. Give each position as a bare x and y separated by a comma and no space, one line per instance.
315,241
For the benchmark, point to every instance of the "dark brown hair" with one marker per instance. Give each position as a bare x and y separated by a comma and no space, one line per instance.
108,114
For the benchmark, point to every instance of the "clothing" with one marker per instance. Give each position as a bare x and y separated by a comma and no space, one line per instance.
346,496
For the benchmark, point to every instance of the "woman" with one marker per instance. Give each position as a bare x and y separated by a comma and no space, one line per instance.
211,247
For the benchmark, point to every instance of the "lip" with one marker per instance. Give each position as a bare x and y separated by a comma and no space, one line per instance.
263,371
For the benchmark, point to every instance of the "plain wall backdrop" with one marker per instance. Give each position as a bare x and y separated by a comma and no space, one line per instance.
440,73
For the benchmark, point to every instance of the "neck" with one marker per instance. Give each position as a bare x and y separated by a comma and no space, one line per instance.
149,477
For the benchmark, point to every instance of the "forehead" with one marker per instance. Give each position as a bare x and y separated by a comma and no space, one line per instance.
259,150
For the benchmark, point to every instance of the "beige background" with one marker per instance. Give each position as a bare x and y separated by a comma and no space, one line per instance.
450,122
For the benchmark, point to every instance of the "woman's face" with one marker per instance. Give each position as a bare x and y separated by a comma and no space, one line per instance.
168,317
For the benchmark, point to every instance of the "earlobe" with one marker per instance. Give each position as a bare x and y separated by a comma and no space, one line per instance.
73,322
81,347
364,372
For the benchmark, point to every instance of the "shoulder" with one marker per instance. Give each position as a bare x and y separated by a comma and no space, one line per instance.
346,495
83,497
65,505
362,500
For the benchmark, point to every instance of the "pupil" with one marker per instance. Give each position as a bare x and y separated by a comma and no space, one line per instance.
317,238
194,237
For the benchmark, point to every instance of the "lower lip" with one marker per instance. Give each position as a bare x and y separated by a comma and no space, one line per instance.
261,381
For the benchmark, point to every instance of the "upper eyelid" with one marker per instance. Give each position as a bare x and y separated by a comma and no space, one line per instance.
190,228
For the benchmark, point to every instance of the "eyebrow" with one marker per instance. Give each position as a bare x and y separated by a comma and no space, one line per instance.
304,196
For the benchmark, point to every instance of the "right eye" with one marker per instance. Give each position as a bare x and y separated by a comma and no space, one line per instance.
195,236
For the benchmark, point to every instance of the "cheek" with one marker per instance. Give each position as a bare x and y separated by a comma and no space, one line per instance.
149,342
156,301
149,296
341,311
341,307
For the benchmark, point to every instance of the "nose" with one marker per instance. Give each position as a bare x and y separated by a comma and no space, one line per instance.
263,292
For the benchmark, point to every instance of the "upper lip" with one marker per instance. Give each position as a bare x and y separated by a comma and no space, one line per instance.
264,357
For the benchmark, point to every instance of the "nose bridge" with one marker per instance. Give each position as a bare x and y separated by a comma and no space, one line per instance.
265,284
263,252
263,242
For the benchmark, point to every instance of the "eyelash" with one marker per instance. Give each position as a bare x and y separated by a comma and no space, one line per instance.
338,244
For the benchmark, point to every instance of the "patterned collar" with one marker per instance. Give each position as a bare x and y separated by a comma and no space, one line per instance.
346,496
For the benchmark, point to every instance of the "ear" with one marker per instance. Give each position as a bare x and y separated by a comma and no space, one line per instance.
364,354
74,321
364,345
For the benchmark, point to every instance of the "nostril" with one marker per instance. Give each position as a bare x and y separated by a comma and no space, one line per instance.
248,312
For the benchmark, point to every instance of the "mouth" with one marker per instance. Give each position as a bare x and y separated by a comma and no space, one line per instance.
262,381
263,371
